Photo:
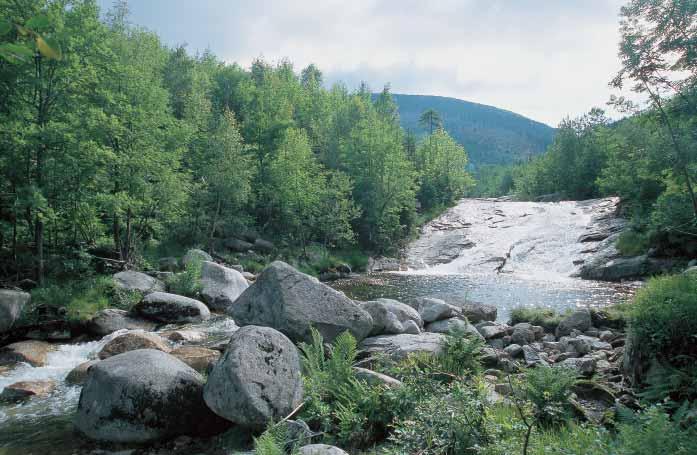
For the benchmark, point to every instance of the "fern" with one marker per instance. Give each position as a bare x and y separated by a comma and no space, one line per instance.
271,442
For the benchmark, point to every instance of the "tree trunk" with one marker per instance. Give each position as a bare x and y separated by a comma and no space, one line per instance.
39,249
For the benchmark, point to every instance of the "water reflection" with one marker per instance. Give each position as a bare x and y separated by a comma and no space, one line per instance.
503,291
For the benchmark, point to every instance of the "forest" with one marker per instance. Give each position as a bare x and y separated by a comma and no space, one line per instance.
114,144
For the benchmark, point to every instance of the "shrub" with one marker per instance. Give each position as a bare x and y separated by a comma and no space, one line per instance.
77,300
460,358
662,328
652,432
448,423
547,390
633,243
349,412
188,282
545,317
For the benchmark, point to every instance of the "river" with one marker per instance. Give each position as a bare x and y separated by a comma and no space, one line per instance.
491,251
503,253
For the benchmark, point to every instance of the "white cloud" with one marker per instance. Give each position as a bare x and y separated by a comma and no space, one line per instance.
541,58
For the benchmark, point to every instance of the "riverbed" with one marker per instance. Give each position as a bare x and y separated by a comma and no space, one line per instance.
497,252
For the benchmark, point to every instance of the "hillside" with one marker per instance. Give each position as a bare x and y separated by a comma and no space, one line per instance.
490,135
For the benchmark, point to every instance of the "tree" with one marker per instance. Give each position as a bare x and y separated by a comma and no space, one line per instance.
441,163
431,119
657,54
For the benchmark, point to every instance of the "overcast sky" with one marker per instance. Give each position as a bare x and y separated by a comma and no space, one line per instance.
545,59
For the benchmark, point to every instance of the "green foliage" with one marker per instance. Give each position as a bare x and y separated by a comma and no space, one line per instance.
451,423
632,243
663,319
272,441
348,411
653,432
542,316
441,164
78,300
460,358
188,282
663,323
547,392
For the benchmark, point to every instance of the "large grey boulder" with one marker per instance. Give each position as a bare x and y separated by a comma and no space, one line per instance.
392,317
110,320
194,256
257,380
237,245
454,325
130,280
578,320
11,305
263,246
320,449
623,268
171,308
431,309
292,302
400,346
220,285
143,396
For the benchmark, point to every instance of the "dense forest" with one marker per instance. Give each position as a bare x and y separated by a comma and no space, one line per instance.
113,142
649,159
490,135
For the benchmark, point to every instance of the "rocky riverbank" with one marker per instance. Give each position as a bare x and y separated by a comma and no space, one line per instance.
155,378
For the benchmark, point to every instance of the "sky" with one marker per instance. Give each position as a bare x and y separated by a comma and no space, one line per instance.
545,59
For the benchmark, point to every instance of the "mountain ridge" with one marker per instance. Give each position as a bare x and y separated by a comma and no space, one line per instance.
490,135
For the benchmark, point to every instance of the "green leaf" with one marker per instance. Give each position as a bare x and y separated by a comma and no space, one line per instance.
48,48
22,30
37,22
15,52
5,27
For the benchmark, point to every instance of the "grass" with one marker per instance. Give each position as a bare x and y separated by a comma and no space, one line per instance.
77,300
546,317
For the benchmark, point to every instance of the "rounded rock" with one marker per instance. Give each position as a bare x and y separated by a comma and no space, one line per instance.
257,380
143,396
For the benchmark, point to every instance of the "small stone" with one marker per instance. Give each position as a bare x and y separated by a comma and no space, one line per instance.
35,353
131,341
373,378
549,337
184,336
607,336
532,357
78,375
514,350
583,365
321,449
197,357
578,320
523,334
20,391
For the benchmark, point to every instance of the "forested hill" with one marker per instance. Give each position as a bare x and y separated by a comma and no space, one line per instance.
490,135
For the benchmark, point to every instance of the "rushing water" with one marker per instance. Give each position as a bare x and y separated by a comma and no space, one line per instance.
44,425
502,253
